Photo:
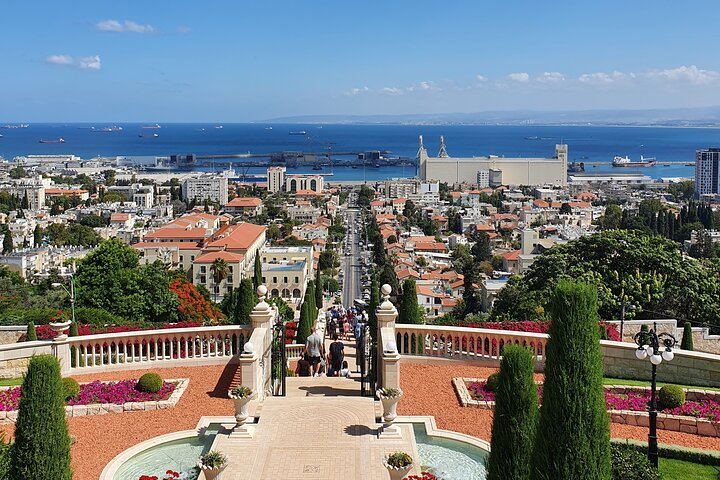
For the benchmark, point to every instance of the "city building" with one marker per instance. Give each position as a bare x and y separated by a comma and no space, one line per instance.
500,170
51,193
401,188
248,206
33,188
298,183
707,172
286,271
276,179
206,187
202,272
609,178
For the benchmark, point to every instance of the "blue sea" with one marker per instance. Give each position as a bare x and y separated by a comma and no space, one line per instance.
586,143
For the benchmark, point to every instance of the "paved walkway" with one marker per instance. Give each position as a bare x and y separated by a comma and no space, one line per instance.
322,430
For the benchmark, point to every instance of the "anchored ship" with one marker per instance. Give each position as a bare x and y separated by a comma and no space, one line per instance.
59,140
626,162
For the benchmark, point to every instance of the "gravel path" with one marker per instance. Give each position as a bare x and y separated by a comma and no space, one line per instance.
101,437
428,391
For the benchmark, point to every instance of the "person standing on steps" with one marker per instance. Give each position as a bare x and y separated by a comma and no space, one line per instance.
315,350
337,355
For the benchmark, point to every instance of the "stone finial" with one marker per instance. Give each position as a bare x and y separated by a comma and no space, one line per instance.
261,292
387,304
386,290
248,348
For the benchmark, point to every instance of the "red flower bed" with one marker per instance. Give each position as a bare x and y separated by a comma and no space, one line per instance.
290,331
44,332
169,475
536,327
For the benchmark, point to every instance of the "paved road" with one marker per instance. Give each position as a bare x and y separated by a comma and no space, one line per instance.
352,287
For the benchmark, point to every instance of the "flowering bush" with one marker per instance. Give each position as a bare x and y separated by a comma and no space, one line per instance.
44,332
169,475
422,476
635,400
193,306
537,327
96,392
290,329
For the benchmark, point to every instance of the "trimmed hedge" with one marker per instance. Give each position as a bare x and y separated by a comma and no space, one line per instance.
630,464
71,388
31,334
492,381
42,443
671,396
149,383
675,452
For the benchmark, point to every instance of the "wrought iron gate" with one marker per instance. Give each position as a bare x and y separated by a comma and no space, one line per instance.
366,361
279,360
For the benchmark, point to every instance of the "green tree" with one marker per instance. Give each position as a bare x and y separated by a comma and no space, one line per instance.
220,271
373,306
245,301
304,324
7,241
257,272
37,236
17,172
93,221
42,442
515,416
482,251
565,209
389,277
611,218
31,334
573,439
310,296
318,288
409,311
687,338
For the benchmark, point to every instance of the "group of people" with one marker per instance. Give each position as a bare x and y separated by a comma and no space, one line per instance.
342,324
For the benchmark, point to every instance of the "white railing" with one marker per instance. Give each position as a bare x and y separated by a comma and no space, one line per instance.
294,351
152,347
464,342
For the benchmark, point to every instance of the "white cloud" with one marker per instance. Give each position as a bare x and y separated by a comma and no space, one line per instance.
551,77
425,86
184,29
60,59
480,78
691,74
392,90
83,63
357,91
90,63
519,77
602,78
125,26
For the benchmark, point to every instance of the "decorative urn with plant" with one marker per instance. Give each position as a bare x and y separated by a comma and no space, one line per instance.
212,464
398,464
59,324
389,397
241,396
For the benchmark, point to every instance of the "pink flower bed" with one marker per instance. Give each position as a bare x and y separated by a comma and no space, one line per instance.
44,332
633,400
536,327
97,392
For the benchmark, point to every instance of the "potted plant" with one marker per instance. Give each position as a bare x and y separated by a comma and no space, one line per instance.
389,397
398,464
241,396
212,464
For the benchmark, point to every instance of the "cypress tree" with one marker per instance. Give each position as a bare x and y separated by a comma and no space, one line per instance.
31,334
257,277
7,241
42,442
408,312
515,416
573,433
687,340
37,236
318,289
374,303
310,298
244,302
304,325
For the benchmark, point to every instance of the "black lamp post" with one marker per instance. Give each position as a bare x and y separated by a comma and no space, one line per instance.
656,347
282,334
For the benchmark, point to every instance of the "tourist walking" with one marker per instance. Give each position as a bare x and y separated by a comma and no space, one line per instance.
315,350
337,355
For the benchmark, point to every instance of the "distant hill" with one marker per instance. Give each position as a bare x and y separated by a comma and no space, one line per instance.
703,116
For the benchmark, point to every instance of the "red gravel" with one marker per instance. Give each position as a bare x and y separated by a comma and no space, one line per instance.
101,437
428,390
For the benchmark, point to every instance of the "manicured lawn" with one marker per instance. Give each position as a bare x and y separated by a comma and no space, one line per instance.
643,383
680,470
11,382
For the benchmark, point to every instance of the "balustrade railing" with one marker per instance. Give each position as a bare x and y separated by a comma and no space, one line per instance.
154,346
463,342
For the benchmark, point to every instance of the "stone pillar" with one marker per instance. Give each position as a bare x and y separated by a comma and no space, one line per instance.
386,315
250,369
263,316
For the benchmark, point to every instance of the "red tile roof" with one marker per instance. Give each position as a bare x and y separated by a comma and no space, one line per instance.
244,202
236,237
210,257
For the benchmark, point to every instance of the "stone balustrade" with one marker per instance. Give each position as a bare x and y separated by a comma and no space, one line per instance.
463,342
294,351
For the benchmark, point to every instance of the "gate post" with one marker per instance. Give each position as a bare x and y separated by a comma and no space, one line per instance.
387,352
262,316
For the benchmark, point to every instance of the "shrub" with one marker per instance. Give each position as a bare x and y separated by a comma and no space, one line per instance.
399,460
149,383
573,420
515,418
31,334
492,381
213,459
42,443
630,464
71,388
5,452
687,339
671,396
241,391
73,330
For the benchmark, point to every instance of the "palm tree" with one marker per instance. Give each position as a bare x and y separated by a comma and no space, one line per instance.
220,270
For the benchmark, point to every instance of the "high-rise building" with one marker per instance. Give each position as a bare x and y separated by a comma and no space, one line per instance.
707,171
210,187
276,179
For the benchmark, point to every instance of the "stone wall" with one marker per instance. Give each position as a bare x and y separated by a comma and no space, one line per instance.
687,368
14,358
12,334
702,340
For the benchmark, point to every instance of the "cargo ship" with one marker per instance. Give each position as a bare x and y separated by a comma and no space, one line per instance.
626,162
59,140
298,132
19,125
151,126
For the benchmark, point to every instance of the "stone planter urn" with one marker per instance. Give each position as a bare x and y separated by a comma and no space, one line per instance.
389,397
60,328
241,409
241,397
396,471
212,473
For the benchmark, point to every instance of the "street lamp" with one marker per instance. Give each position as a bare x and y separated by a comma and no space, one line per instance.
70,292
630,306
656,347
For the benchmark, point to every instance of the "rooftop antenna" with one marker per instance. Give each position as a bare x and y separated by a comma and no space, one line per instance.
442,153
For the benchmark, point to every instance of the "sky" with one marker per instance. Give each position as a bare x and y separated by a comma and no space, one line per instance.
239,61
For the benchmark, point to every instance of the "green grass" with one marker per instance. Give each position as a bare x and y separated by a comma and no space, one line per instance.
681,470
643,383
10,382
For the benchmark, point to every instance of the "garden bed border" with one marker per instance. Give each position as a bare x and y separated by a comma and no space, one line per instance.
105,408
